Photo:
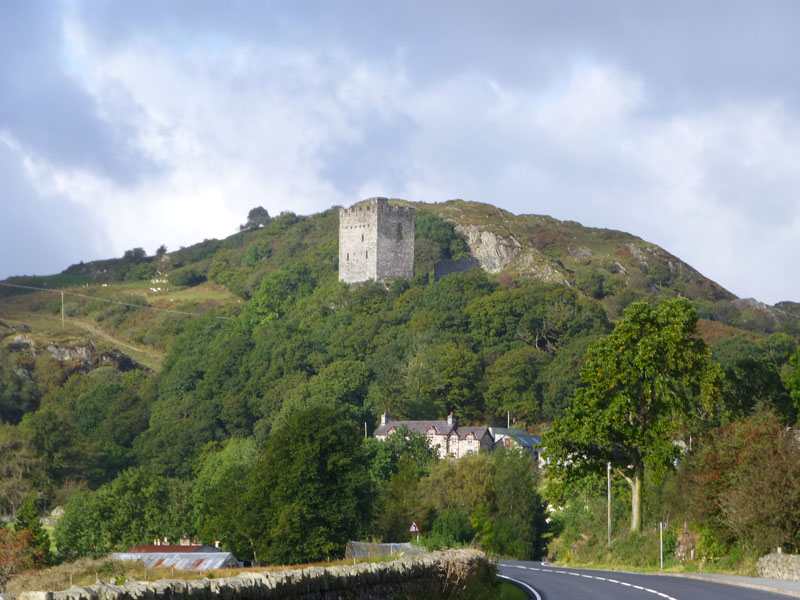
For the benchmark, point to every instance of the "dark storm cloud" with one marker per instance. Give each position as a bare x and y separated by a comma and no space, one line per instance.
687,51
45,110
40,235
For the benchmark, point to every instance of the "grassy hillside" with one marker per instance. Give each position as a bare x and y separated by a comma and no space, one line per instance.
613,268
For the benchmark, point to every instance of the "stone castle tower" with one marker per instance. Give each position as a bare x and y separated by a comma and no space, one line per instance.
376,241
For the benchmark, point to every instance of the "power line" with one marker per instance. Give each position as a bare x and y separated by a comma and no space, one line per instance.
146,306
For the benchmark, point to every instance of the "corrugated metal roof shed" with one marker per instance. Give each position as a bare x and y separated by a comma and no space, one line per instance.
197,561
171,548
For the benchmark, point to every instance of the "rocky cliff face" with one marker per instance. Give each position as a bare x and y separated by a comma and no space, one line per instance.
73,357
561,252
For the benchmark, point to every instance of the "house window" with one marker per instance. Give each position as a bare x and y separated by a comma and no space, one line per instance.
362,237
366,254
348,257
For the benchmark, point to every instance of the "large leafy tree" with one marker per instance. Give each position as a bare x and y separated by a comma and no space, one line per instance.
221,472
640,387
135,508
28,520
256,218
310,492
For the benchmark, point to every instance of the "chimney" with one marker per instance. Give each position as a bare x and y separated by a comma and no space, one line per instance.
451,420
384,418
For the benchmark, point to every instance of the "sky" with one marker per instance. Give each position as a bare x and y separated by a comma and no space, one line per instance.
136,124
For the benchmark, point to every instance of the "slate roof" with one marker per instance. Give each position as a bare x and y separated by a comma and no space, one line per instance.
441,427
478,432
526,440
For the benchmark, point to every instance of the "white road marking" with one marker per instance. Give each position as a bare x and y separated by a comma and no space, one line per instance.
523,584
598,578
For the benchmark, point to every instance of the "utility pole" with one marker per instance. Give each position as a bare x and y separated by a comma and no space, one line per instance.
608,486
62,310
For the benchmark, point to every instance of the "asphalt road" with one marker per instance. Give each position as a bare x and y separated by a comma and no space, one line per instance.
564,583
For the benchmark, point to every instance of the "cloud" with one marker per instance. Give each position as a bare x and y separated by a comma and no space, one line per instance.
165,123
40,230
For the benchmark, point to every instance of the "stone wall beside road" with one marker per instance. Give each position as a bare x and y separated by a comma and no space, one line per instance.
430,575
780,566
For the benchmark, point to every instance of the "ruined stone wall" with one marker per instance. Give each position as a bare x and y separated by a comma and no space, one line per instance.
431,575
448,267
376,241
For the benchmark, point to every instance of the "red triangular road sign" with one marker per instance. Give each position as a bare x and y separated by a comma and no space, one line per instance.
414,527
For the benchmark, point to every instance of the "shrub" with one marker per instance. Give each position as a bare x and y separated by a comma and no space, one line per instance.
188,276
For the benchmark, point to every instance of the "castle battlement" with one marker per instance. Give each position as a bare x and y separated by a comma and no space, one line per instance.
374,206
376,241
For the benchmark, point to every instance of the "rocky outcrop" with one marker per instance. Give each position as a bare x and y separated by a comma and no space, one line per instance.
79,357
496,253
432,575
492,251
780,566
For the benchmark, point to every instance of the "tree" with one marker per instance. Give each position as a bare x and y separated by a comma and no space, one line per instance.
134,255
386,455
134,508
752,380
791,379
28,519
754,458
188,276
161,250
20,467
498,492
401,503
221,472
449,376
310,492
256,218
511,384
17,555
518,524
639,385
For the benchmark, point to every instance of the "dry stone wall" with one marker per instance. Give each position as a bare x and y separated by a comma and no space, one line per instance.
780,566
418,576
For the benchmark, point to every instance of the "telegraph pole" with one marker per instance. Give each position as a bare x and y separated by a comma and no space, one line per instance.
608,486
62,310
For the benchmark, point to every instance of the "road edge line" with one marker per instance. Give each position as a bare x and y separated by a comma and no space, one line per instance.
521,584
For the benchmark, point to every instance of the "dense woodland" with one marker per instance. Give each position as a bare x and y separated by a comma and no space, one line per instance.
251,431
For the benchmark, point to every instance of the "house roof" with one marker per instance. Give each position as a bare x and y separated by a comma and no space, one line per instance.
441,427
200,561
527,440
478,432
149,548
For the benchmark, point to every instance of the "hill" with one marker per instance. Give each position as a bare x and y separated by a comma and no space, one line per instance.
102,298
160,366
